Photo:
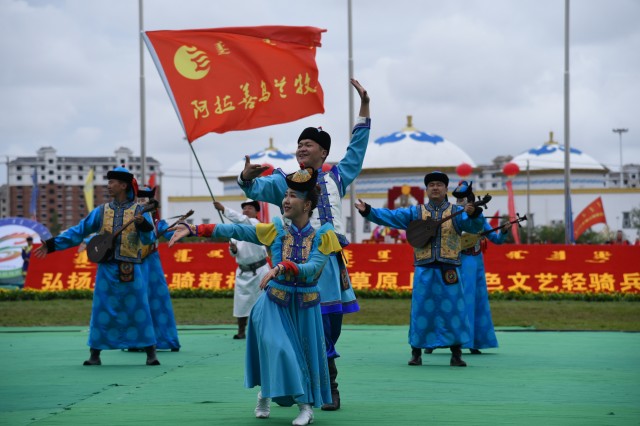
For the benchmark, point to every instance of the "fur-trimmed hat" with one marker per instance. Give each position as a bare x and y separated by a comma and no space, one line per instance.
302,180
251,203
317,135
436,176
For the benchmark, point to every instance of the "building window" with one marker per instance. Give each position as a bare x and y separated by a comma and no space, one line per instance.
50,161
19,177
366,227
67,177
205,220
50,172
67,167
18,168
151,168
626,220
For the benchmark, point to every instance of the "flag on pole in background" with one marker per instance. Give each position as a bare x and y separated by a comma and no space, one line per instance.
589,216
495,220
152,181
238,78
88,190
33,208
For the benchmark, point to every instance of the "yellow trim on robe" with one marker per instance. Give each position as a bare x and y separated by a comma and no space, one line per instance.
329,243
266,233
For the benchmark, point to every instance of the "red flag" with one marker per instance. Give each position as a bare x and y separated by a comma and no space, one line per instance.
152,181
495,220
592,214
223,79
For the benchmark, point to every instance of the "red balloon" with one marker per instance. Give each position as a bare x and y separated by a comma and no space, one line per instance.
268,171
464,170
511,169
326,167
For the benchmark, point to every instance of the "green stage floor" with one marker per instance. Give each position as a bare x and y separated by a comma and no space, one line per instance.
536,378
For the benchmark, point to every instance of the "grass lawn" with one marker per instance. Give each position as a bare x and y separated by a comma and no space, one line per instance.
541,315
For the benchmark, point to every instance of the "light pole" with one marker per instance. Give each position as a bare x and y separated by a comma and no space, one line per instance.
620,132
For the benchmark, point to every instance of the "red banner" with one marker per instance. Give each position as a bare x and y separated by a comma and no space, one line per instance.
240,78
529,268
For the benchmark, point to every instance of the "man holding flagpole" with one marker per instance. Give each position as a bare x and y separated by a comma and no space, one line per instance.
314,144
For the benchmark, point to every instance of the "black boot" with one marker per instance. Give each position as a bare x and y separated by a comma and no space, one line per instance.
475,351
335,395
242,325
151,355
416,356
94,359
456,357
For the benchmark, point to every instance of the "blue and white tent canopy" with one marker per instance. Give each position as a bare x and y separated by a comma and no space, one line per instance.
550,156
413,148
270,155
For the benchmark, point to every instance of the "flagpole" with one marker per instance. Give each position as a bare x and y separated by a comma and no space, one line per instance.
352,187
143,148
205,179
568,228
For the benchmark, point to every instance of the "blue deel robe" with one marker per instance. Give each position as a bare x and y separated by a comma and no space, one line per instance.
286,354
120,315
164,321
483,334
438,312
338,296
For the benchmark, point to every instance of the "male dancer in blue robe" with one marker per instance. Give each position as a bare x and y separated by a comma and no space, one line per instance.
438,315
120,316
314,144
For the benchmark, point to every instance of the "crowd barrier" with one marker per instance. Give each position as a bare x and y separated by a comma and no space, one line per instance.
529,268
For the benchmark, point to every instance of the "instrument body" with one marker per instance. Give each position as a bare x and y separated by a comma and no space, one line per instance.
421,231
101,247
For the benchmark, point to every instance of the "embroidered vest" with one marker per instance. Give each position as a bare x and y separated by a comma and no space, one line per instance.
445,245
127,246
287,287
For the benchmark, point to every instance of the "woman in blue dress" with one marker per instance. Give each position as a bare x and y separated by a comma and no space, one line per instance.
286,353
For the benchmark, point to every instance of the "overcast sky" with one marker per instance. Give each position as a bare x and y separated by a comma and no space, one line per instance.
487,75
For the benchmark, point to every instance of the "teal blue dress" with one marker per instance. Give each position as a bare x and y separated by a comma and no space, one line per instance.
286,354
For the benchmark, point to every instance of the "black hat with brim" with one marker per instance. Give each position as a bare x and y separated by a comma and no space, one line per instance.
120,175
146,193
436,176
251,203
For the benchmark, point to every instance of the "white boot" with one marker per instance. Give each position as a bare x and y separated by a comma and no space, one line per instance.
305,417
263,407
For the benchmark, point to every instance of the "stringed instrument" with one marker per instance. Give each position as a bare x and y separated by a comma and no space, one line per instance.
470,240
421,231
100,248
180,219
